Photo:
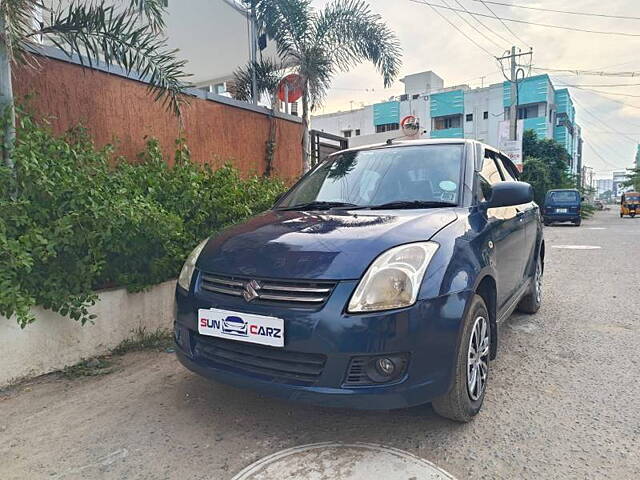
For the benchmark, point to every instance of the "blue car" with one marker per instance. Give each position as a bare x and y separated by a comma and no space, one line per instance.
562,205
378,281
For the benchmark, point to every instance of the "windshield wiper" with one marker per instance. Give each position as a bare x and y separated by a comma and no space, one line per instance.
412,204
318,205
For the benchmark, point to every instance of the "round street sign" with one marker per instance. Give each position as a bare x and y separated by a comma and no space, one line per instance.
290,88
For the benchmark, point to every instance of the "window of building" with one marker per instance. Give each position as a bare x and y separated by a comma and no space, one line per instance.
387,127
442,123
485,115
469,117
346,133
528,111
416,96
357,132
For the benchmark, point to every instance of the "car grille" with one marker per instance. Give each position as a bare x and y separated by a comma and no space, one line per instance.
269,291
274,363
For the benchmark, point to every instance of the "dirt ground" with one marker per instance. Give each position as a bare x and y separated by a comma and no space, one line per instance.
563,400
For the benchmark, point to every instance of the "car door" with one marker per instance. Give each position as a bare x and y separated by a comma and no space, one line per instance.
507,233
527,215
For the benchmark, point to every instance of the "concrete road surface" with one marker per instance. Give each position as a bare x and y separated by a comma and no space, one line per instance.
563,399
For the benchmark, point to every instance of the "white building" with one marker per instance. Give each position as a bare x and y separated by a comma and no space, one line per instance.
462,112
212,35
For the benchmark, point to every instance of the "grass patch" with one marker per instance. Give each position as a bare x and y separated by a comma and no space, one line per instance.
160,340
143,340
89,368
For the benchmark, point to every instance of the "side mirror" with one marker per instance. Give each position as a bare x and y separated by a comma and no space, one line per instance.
507,194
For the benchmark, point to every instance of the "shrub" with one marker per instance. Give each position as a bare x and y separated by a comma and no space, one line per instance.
79,224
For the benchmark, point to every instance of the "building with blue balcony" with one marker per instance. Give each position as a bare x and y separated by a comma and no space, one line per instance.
462,112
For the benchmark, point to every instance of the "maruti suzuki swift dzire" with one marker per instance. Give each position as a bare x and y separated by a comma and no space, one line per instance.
378,281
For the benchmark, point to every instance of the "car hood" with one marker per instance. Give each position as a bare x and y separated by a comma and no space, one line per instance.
334,245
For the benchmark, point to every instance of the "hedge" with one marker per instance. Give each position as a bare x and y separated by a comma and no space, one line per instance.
80,220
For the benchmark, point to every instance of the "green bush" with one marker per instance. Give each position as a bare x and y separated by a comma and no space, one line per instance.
79,223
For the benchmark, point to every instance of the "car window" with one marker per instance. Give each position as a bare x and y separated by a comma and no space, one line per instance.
429,173
505,171
561,197
488,176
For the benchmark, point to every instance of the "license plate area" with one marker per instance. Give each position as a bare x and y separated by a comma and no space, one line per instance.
561,210
241,327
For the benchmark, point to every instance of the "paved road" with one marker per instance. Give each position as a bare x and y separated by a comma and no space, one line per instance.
563,402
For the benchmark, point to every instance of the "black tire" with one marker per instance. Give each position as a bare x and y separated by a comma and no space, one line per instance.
531,302
577,222
621,215
458,404
547,223
632,215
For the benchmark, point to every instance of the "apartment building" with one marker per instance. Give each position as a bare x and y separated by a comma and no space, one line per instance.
463,112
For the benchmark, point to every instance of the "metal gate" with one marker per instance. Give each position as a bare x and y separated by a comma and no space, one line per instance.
324,144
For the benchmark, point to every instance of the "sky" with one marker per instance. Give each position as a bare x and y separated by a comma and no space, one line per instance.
610,120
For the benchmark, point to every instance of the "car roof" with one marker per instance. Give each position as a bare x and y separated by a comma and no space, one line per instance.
562,190
409,143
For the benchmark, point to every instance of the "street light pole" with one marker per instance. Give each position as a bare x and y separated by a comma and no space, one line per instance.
254,52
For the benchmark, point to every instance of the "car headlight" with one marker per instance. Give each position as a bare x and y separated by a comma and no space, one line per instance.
184,280
393,279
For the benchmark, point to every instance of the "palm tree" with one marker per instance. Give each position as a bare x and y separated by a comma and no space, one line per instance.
130,37
268,74
318,44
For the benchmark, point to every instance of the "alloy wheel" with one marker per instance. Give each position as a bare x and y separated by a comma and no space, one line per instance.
538,282
478,358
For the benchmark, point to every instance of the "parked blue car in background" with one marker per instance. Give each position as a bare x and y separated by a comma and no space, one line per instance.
562,205
376,282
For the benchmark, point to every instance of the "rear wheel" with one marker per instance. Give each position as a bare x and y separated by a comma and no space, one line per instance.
577,222
632,215
531,302
547,223
464,400
621,215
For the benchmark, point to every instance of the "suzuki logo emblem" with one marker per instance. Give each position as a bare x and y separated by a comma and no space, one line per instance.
251,290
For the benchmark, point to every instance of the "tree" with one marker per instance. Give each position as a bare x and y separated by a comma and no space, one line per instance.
536,173
130,37
318,44
633,179
268,74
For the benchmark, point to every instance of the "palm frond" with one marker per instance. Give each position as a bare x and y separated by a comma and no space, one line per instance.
19,17
288,22
268,75
97,32
354,34
151,10
316,66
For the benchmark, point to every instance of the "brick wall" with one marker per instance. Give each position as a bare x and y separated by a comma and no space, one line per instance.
119,110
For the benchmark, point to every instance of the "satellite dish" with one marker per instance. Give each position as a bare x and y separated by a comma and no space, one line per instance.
410,126
290,88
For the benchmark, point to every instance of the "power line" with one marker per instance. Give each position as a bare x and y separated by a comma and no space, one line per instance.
567,12
469,23
481,23
547,25
608,85
504,24
589,72
608,127
459,30
606,162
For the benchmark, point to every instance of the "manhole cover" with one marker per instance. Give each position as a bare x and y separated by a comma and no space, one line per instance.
577,247
338,461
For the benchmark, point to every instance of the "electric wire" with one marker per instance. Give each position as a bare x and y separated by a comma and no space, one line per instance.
547,25
517,37
482,24
567,12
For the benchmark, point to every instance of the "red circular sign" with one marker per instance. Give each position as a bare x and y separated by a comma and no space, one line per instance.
291,85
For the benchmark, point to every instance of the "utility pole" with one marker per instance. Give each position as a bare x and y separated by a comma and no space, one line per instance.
513,80
7,109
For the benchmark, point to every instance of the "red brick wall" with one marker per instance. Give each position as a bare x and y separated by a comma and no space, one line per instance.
119,110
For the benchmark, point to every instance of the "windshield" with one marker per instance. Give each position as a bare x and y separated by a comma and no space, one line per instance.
631,199
561,197
422,174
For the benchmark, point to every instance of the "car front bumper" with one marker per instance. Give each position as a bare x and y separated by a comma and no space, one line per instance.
562,217
427,332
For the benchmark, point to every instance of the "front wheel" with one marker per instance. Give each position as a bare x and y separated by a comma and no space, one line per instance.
464,400
621,215
632,215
